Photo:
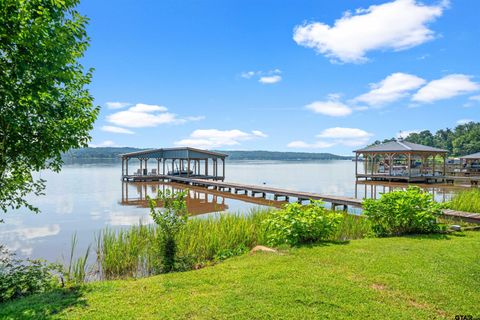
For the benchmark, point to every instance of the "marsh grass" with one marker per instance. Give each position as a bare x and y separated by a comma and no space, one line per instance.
466,200
353,227
135,252
77,269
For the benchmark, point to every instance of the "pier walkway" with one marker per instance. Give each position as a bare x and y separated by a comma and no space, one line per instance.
258,191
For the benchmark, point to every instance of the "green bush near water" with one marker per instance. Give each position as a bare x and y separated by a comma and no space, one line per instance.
296,224
403,212
466,200
21,278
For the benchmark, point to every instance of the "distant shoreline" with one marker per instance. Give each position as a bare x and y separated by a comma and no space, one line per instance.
113,153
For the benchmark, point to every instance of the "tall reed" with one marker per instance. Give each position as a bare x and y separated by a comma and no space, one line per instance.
466,200
135,252
77,270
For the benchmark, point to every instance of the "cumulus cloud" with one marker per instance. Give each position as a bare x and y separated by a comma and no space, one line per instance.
392,88
145,115
447,87
248,74
396,25
350,137
213,138
114,129
270,79
331,107
117,105
475,98
264,77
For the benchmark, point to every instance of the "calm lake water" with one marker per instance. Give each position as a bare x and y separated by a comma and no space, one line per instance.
87,197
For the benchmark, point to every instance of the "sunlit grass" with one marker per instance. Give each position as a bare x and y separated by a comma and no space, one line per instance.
466,200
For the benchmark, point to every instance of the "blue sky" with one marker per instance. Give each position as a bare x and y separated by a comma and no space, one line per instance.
316,76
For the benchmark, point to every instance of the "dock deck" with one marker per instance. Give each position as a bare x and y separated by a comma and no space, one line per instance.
280,194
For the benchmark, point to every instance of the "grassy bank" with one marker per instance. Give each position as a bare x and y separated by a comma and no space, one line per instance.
135,251
417,277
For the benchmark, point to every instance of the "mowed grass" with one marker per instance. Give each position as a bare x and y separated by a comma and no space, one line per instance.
417,277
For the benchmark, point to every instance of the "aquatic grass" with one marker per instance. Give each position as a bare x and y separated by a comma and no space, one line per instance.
353,227
129,252
135,251
203,238
77,271
466,200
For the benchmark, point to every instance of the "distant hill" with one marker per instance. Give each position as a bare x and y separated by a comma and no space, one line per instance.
112,153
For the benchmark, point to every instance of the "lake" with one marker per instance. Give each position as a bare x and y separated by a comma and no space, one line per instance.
86,197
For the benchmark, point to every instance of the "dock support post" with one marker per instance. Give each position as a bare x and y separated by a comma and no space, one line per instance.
223,175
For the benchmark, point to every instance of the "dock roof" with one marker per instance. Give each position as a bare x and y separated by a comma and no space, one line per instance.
473,156
400,146
175,153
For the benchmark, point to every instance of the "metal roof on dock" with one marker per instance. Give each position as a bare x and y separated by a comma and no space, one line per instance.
174,153
400,146
473,156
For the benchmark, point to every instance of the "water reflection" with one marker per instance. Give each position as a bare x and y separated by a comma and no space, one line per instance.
374,189
199,200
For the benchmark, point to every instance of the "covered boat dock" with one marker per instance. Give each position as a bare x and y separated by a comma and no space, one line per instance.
401,161
158,164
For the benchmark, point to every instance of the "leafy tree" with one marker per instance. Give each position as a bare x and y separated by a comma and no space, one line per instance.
45,107
462,140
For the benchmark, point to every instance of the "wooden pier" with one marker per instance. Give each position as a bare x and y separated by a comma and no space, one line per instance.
257,192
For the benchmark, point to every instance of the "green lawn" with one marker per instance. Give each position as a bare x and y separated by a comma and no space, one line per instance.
418,277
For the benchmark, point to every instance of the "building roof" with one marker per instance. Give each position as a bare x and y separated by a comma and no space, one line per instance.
400,146
471,156
174,153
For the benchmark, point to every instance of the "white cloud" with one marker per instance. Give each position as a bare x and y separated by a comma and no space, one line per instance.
145,115
259,133
141,107
350,137
265,77
445,88
114,129
393,87
106,143
405,133
344,133
396,25
248,74
331,107
475,98
270,79
117,105
464,121
213,138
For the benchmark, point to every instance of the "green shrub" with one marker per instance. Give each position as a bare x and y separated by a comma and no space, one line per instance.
296,224
466,200
171,219
21,278
403,212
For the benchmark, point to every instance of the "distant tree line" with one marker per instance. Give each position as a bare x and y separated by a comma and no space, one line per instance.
112,153
462,140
